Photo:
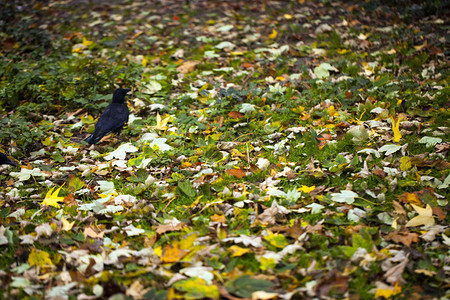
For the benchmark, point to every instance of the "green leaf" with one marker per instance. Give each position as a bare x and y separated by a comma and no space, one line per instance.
186,188
323,70
245,285
389,149
344,197
430,141
196,288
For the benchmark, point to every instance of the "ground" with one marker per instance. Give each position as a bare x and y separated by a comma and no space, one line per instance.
275,150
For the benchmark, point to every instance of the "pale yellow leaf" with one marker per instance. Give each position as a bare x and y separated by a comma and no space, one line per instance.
425,216
66,225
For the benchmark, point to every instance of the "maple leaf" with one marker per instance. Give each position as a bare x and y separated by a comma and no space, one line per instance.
52,199
161,124
425,216
307,189
66,225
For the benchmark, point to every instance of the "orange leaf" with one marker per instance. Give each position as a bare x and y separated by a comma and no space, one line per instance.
409,198
235,115
239,173
187,66
172,254
218,218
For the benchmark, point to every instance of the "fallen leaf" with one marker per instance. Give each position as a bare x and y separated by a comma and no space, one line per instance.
235,115
425,216
238,173
238,251
273,34
188,66
172,254
169,228
403,236
39,258
52,199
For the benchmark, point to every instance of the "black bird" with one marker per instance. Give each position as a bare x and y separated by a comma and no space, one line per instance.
4,160
113,118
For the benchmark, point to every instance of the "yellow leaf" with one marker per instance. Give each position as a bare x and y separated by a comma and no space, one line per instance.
396,130
307,189
86,42
77,50
425,216
388,292
187,242
221,233
332,111
420,47
52,199
66,224
39,258
144,61
287,16
298,110
172,254
405,163
238,251
276,239
279,78
161,123
266,263
273,34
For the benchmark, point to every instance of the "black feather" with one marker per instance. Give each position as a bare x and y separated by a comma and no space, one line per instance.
4,160
112,119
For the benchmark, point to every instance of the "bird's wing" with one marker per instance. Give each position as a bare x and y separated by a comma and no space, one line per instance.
112,119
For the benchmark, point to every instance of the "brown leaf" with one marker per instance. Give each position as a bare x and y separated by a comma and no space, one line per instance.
93,233
379,172
149,241
439,213
188,66
69,200
333,281
403,236
425,195
422,160
409,198
169,227
235,115
238,173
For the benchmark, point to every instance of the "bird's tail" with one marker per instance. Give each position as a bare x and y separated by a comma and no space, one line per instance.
94,138
10,162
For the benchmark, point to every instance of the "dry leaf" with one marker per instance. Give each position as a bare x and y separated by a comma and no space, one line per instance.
425,216
235,115
188,66
238,173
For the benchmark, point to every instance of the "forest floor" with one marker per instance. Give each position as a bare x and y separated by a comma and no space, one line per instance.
274,150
